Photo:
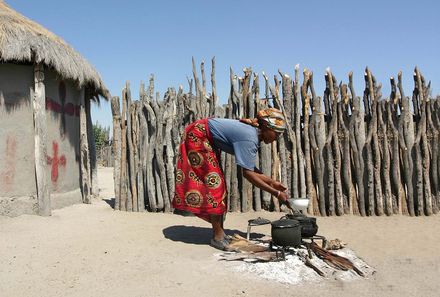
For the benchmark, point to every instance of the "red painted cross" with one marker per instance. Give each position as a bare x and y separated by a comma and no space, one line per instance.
55,161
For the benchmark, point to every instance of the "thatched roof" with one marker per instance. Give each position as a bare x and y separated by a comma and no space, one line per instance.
23,40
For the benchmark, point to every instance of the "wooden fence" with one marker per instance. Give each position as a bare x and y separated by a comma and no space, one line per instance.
369,156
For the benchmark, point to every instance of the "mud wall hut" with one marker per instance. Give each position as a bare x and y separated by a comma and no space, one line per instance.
47,157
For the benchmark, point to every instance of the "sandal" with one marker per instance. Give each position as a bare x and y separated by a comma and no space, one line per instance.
222,245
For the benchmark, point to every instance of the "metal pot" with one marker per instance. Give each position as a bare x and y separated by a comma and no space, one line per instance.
286,232
309,228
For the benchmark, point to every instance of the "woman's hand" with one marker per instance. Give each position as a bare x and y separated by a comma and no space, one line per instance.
283,198
279,186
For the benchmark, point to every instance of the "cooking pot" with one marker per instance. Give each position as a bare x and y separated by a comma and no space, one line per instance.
309,228
286,232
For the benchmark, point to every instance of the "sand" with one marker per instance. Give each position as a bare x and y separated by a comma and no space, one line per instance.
92,250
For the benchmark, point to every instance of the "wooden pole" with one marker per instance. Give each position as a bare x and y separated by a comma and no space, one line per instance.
38,97
116,112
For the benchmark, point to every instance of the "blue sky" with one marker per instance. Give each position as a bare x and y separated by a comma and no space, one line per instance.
129,40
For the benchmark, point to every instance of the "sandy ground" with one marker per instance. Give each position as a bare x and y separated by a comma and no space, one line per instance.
92,250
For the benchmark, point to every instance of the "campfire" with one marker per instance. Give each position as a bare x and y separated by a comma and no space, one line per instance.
294,252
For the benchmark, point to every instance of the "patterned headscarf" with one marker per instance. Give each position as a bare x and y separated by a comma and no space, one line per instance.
273,117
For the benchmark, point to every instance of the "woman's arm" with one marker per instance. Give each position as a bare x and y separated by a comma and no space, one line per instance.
265,183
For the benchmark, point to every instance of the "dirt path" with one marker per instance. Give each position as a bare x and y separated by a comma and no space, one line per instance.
92,250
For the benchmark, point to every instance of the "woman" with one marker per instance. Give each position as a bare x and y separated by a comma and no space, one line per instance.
200,183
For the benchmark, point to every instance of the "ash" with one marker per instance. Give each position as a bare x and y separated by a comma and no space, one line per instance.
293,271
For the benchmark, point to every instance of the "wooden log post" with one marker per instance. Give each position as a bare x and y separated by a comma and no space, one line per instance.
311,191
349,192
283,140
169,149
406,133
161,180
131,176
214,99
150,139
385,145
301,167
247,197
371,130
256,102
397,187
425,156
287,92
84,151
433,140
357,143
329,172
123,179
317,143
265,153
92,149
116,145
38,97
336,145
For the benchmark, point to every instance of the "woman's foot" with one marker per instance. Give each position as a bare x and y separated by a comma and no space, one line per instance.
222,244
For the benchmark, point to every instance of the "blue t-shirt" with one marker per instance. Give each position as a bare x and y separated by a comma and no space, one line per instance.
236,138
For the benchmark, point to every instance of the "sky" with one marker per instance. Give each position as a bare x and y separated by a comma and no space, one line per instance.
129,40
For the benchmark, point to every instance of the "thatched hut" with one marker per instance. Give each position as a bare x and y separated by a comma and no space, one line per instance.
46,145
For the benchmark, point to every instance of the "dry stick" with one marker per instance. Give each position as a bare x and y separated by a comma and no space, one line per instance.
116,144
311,191
336,146
397,142
350,202
317,143
406,133
256,97
330,195
424,146
123,179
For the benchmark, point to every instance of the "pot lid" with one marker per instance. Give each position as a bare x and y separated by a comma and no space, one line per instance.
285,223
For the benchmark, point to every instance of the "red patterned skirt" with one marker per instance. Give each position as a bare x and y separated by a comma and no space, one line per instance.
200,183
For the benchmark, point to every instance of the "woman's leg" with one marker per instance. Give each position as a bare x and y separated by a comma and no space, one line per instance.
217,227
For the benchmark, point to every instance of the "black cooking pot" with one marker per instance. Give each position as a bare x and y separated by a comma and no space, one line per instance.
309,228
286,232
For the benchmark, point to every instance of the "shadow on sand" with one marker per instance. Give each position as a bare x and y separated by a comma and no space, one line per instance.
198,235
